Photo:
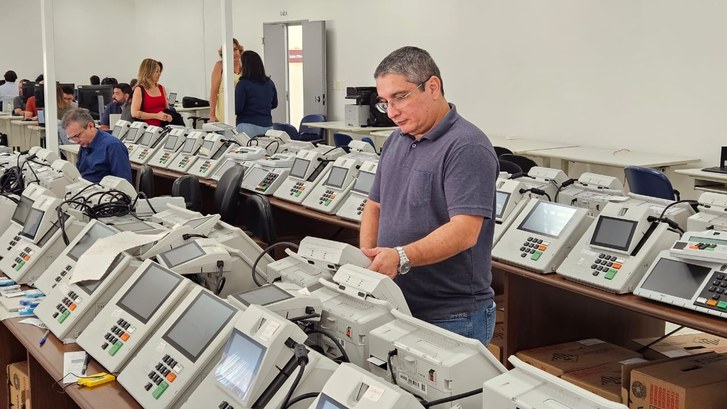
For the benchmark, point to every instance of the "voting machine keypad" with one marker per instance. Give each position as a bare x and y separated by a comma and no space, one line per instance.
607,264
225,405
714,293
165,157
205,166
297,189
360,207
534,248
144,154
265,183
62,274
23,258
164,373
327,197
117,336
65,308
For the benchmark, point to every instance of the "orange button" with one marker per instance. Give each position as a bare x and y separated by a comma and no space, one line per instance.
693,246
616,266
542,248
26,258
72,307
712,302
124,337
171,376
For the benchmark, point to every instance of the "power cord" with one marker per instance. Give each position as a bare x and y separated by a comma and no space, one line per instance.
451,398
301,355
262,254
537,191
344,355
391,353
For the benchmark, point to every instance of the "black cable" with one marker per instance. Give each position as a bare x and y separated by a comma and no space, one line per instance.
663,212
299,398
301,354
656,341
452,398
143,196
344,355
331,150
537,192
273,142
220,277
304,317
259,257
563,186
391,367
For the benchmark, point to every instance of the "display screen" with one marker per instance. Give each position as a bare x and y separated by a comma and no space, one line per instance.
134,134
117,131
548,219
263,296
613,233
300,165
240,364
501,203
22,210
146,138
327,402
364,181
171,141
336,177
206,148
149,292
181,254
188,145
317,171
97,231
676,278
32,223
198,325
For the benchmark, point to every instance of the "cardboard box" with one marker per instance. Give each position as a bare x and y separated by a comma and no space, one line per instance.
573,356
695,382
498,341
682,345
18,385
500,308
603,380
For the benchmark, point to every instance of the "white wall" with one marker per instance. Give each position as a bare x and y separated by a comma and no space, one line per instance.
638,74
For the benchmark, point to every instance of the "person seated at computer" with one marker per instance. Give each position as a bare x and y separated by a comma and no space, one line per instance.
31,111
18,103
255,97
101,154
217,92
94,80
149,100
119,102
9,90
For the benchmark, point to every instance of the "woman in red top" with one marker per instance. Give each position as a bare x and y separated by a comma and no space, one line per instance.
149,100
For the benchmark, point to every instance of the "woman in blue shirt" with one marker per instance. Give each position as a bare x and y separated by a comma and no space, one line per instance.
255,97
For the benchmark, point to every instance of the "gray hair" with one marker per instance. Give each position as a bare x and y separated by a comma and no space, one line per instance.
80,116
414,63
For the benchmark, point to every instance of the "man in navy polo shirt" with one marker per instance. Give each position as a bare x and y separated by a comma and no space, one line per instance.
101,154
429,219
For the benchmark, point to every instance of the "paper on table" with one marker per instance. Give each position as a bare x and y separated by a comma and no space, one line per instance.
33,321
93,263
73,366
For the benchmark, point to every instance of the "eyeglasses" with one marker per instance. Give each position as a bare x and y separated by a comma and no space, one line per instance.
78,135
383,106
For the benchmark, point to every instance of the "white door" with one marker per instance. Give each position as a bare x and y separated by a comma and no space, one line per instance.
315,92
275,50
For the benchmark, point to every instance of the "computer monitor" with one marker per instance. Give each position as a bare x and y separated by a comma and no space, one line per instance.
28,91
39,92
172,98
41,117
94,97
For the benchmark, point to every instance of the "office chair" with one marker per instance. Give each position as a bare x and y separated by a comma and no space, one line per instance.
369,141
145,181
188,187
512,168
500,150
287,128
650,182
524,163
227,194
259,218
311,134
341,140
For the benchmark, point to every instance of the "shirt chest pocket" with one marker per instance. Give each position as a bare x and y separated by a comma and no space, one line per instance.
419,190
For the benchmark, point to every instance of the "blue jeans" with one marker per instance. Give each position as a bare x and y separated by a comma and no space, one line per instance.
479,324
252,130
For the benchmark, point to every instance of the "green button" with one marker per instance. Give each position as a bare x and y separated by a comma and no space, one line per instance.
709,249
63,316
610,274
160,390
536,255
19,266
115,348
722,305
298,193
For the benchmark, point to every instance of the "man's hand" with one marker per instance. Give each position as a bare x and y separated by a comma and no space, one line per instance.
385,260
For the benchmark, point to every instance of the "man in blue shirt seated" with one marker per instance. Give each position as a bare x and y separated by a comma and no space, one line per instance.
120,103
101,154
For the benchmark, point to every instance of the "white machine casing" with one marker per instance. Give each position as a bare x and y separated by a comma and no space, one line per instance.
355,388
617,249
7,209
209,155
526,386
287,144
547,179
431,362
62,266
68,308
309,167
355,303
328,195
147,145
147,376
224,129
592,192
697,285
262,336
175,216
285,299
353,205
268,174
121,128
119,329
246,156
28,255
14,214
527,245
678,213
169,148
710,245
186,155
91,194
134,134
316,258
510,202
712,213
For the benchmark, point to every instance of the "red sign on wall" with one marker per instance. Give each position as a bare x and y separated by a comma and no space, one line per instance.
295,56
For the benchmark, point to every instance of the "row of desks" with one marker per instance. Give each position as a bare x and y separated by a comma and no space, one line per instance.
22,135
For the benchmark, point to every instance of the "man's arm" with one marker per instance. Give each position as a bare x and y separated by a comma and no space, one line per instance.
369,230
120,165
449,239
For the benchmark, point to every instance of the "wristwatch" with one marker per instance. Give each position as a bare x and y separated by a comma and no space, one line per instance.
404,264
